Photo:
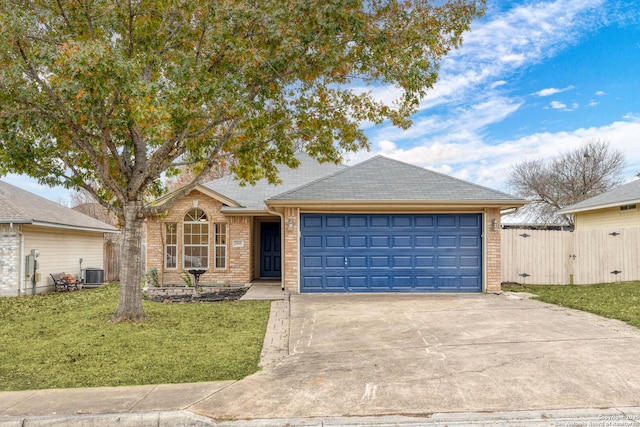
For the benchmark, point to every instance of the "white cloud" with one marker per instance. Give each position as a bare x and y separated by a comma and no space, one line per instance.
490,164
557,105
551,91
600,93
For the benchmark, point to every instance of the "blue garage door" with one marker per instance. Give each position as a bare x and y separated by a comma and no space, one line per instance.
391,253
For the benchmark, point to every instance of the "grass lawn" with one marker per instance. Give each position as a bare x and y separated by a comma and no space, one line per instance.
66,340
614,300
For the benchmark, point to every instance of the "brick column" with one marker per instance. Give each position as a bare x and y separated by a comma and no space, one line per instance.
493,264
291,250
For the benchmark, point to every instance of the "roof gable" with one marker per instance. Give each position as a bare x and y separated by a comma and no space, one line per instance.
22,207
383,179
252,197
623,195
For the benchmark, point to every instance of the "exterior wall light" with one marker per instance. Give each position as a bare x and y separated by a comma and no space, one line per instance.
291,222
494,224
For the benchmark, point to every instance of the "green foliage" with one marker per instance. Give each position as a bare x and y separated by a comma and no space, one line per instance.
110,95
186,278
152,277
66,340
613,300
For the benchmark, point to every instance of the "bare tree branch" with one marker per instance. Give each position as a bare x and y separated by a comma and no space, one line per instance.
566,180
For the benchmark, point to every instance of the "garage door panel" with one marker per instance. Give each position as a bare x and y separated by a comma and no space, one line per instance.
424,261
380,261
469,242
380,242
401,261
312,221
386,253
447,241
312,262
358,282
335,242
425,282
336,283
335,222
357,262
425,241
469,261
470,221
402,242
447,261
402,221
446,221
334,261
358,242
380,282
357,221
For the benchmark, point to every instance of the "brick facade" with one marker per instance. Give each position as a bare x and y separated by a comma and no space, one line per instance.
493,252
240,241
291,255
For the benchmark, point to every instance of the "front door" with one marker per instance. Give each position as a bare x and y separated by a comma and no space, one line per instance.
270,249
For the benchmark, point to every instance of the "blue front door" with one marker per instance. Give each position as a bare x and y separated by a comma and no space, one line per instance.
391,253
270,249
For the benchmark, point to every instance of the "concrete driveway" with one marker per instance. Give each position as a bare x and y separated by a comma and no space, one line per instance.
362,355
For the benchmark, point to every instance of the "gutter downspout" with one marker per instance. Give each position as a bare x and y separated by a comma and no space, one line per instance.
281,216
21,284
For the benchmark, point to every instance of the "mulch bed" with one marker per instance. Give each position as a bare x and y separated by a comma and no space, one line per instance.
220,295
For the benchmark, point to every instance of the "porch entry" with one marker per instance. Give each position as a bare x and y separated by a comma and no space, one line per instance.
270,249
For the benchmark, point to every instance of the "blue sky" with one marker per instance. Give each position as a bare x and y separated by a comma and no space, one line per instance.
532,79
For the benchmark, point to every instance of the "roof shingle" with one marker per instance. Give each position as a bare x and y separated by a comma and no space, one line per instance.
20,206
384,179
623,195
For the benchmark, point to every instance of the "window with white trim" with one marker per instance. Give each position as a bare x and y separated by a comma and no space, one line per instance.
220,246
170,245
195,240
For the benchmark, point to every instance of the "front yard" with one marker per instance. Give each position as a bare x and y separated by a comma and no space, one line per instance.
67,340
613,300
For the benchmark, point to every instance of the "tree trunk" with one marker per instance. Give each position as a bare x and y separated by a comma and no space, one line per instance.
130,305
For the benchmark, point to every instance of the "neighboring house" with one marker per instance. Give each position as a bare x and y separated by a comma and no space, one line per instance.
379,226
60,236
615,208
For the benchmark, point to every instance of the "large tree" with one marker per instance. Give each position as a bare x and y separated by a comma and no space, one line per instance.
112,95
567,179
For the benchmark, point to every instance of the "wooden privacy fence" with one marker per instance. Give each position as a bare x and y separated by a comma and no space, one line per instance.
562,257
111,261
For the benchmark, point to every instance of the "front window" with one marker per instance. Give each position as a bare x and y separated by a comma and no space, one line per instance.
220,246
196,240
171,245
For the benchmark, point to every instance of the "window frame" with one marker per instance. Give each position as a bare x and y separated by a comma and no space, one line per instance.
195,217
220,247
168,245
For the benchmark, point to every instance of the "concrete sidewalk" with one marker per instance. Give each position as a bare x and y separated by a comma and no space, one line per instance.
389,360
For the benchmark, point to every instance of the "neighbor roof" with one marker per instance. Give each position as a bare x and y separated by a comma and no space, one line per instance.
623,195
18,206
381,179
252,197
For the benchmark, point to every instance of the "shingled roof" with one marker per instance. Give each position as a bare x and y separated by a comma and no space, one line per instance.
623,195
18,206
252,197
381,179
